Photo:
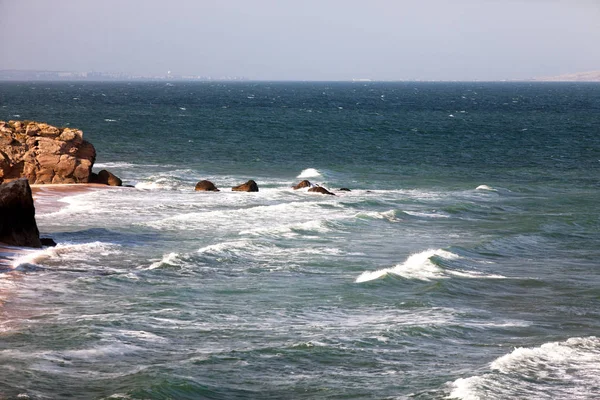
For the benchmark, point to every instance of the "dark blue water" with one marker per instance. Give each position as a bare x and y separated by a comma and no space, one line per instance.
463,263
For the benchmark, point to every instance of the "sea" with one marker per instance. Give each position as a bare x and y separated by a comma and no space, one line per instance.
464,262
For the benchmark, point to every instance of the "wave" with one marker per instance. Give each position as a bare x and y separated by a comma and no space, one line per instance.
426,214
67,252
168,259
309,173
422,266
485,187
313,226
416,266
569,369
115,164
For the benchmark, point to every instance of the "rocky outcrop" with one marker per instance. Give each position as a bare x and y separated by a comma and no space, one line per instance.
206,186
249,186
105,177
17,215
43,153
319,189
302,184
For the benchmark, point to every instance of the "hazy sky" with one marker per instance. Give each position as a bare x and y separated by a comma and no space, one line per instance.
305,39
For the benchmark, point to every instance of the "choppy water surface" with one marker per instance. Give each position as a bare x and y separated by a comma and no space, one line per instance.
463,264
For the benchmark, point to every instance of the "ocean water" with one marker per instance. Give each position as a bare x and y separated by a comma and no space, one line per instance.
464,263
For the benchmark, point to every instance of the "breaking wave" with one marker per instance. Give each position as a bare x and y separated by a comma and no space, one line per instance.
555,370
422,266
309,173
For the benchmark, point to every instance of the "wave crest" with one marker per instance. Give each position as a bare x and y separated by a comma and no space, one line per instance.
309,173
534,373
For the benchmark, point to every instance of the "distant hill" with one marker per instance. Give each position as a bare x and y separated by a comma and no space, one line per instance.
590,76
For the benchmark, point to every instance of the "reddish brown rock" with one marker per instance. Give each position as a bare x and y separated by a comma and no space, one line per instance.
249,186
43,153
319,189
206,186
302,184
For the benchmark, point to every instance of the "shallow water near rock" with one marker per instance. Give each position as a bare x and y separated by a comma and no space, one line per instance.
462,264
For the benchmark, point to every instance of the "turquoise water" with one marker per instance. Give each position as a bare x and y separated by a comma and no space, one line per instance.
463,263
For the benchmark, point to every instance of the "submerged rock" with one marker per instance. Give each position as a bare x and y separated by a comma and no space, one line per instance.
249,186
302,184
206,186
319,189
17,215
43,153
105,177
345,190
48,242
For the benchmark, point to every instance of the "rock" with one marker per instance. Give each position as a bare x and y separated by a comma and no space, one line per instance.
105,177
206,186
302,184
17,215
249,186
319,189
43,153
48,242
345,190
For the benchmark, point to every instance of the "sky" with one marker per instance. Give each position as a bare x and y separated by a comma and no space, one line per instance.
305,39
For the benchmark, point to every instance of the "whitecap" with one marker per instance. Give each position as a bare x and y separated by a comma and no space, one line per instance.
426,214
417,266
110,120
170,259
485,187
568,369
309,173
78,252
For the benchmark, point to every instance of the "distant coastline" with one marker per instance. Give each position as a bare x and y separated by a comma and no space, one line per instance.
589,76
13,75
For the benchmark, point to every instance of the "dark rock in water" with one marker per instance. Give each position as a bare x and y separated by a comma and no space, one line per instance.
249,186
302,184
345,190
206,186
105,177
49,242
17,215
321,190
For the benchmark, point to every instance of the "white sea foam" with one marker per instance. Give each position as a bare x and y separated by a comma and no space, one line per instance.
116,164
309,173
153,185
287,230
142,335
110,120
569,369
485,187
224,247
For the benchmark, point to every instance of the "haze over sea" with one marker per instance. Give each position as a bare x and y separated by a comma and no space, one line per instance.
463,264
